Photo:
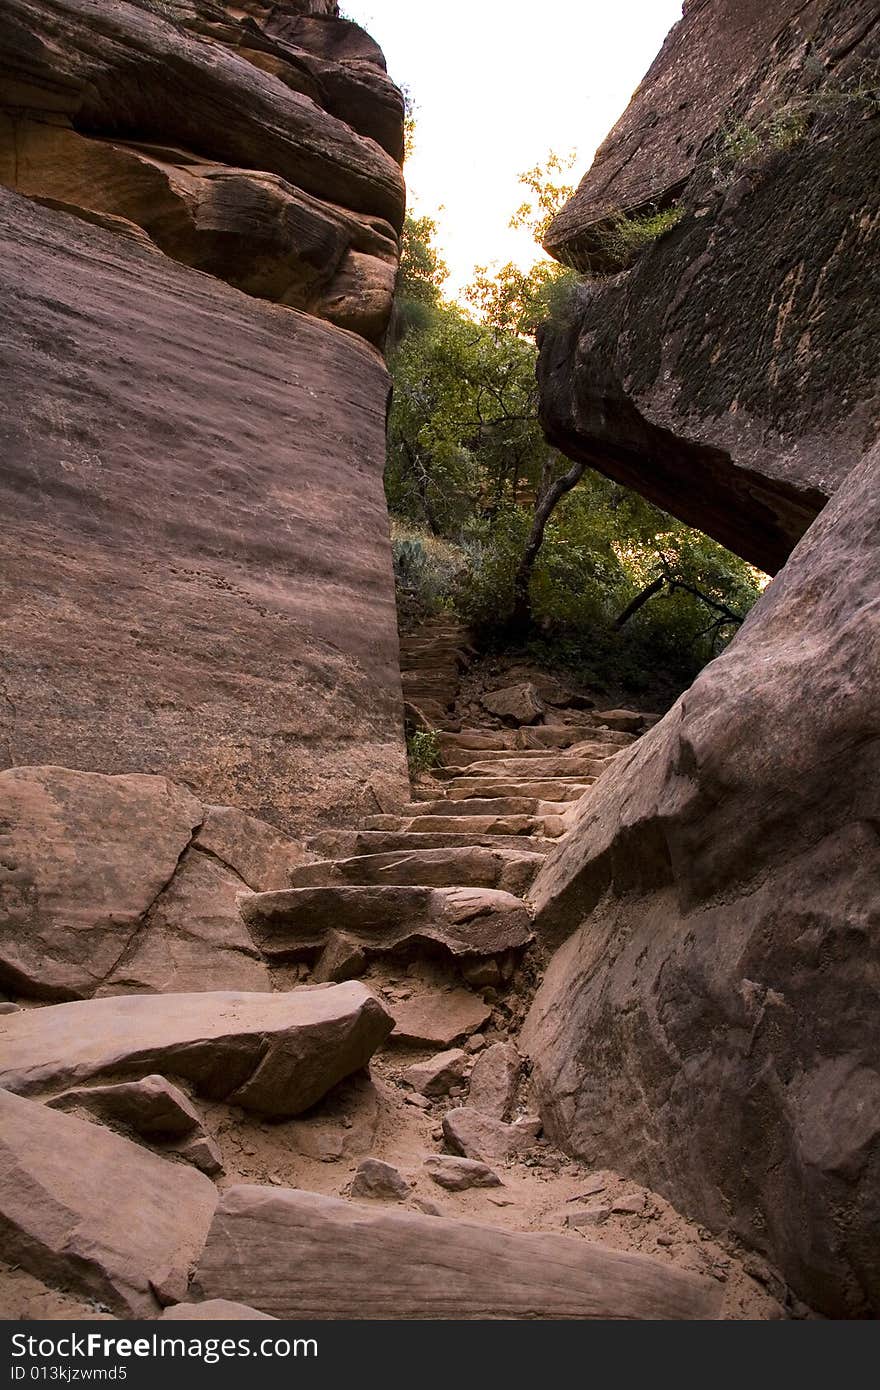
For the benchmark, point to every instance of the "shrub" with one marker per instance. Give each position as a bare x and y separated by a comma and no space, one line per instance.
426,570
423,751
624,238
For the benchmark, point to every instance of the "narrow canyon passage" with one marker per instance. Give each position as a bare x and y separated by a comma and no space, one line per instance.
360,958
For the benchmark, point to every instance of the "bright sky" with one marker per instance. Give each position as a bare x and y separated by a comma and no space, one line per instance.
498,84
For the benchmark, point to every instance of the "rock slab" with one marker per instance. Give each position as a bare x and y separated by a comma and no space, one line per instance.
88,1210
297,1254
276,1054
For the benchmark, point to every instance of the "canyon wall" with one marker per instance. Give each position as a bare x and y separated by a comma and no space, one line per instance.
729,374
707,1021
200,219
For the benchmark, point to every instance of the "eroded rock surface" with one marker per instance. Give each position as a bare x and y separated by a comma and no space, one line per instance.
262,152
127,884
198,570
709,1022
300,1255
725,375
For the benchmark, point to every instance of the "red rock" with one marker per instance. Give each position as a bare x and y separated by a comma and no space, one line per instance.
160,664
276,1054
300,1255
438,1018
87,1210
703,1026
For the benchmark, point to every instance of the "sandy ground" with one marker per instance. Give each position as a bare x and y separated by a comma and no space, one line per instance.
372,1116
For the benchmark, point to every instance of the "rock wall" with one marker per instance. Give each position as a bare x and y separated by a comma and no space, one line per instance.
709,1023
726,373
195,559
707,1019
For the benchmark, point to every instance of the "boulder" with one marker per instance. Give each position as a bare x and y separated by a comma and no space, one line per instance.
89,1211
85,857
192,938
494,1080
684,97
482,1137
459,1174
516,704
255,851
439,1073
377,1179
102,889
753,127
708,1026
342,959
151,1106
276,1054
152,1109
438,1018
295,925
301,1255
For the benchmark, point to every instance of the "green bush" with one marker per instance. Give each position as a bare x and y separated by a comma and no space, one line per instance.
423,751
426,571
624,238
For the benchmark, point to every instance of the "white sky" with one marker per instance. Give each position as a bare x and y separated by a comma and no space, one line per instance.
497,85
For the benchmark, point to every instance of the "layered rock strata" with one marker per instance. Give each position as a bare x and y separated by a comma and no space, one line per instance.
196,556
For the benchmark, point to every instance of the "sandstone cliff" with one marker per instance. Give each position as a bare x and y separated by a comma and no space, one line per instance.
195,558
707,1020
730,373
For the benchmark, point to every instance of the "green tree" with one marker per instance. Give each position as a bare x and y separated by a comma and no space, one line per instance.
548,190
544,544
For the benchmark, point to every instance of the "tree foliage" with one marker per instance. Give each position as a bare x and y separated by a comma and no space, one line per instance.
540,544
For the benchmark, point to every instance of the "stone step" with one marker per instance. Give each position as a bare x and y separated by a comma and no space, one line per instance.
568,735
561,765
460,825
346,844
299,923
470,866
474,806
479,739
550,789
527,755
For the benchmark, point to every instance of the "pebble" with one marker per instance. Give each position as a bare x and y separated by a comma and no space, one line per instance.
420,1102
665,1240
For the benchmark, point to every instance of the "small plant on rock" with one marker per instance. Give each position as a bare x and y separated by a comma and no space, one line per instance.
423,750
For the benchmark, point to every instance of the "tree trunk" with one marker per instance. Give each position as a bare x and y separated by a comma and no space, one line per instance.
521,618
640,600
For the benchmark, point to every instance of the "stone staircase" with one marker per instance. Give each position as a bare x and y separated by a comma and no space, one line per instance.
429,1169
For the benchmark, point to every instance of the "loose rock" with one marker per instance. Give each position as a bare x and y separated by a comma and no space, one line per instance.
459,1174
377,1179
276,1054
439,1074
